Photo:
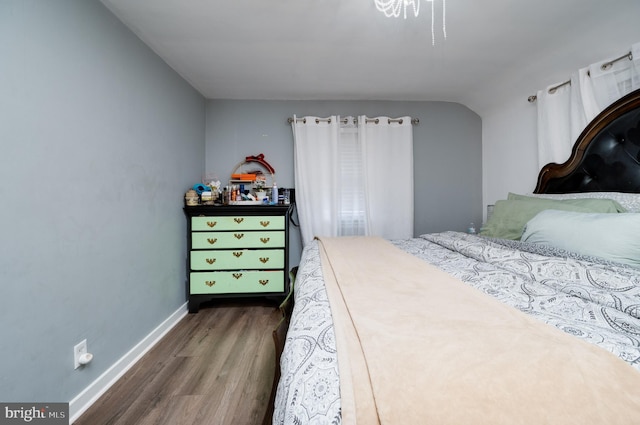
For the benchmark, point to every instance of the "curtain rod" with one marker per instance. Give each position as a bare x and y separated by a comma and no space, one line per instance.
414,121
603,67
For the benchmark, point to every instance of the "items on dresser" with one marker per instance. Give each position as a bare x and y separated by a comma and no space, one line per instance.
237,251
191,198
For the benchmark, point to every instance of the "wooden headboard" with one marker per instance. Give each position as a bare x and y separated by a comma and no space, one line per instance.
606,156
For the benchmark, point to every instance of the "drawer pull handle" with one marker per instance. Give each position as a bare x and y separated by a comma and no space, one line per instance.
264,223
210,282
263,281
211,223
264,240
212,240
211,260
237,275
264,259
237,254
238,220
239,235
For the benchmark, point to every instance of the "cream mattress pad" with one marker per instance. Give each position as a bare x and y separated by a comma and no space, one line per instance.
418,346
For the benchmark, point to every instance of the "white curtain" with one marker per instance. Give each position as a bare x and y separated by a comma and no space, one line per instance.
387,151
564,112
353,177
316,175
554,124
613,82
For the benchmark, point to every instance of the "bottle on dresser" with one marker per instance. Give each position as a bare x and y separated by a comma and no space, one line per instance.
274,194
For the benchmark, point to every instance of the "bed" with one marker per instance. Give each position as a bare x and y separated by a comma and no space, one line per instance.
536,320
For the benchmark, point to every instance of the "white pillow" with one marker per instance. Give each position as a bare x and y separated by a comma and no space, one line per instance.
614,237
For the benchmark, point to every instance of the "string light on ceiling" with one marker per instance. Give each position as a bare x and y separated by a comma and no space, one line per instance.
393,9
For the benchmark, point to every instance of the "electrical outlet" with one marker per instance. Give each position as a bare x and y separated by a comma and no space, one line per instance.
78,350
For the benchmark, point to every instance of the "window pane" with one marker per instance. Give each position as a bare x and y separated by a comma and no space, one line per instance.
352,216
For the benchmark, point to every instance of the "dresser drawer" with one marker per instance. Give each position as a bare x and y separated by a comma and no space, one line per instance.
237,282
239,239
238,223
237,259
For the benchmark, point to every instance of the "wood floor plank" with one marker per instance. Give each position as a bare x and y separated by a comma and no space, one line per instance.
215,367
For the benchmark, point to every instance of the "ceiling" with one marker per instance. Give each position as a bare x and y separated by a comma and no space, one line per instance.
347,50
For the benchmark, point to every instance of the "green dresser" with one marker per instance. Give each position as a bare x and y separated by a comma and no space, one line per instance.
237,251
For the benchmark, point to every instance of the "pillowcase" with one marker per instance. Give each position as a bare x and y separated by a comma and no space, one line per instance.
510,216
629,201
595,204
614,237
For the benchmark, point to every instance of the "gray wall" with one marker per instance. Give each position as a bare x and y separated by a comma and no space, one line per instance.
99,139
447,151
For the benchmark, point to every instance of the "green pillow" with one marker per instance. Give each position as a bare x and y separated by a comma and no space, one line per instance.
509,217
595,204
610,236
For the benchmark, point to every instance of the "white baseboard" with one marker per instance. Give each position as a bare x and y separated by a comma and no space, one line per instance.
97,388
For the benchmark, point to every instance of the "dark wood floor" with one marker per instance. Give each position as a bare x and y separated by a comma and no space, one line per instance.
214,367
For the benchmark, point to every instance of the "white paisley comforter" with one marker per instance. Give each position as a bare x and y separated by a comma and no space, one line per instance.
592,299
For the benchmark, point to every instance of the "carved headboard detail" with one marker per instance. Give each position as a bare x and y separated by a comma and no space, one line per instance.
606,156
